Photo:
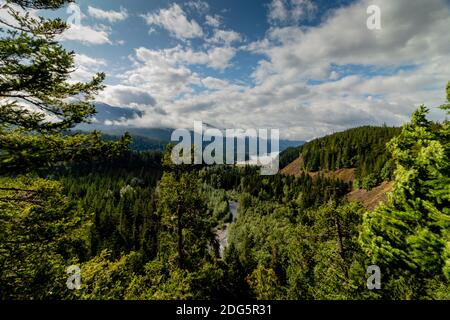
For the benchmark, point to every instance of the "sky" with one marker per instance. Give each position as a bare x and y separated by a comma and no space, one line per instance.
308,68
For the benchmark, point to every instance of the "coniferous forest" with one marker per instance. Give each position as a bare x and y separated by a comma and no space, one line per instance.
141,228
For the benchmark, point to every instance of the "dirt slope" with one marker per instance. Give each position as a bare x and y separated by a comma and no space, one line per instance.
293,169
371,199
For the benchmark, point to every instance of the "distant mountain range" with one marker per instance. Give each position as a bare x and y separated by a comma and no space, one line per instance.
106,115
143,138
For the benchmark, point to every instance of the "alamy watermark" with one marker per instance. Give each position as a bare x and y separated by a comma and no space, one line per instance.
374,280
374,20
74,280
75,15
230,146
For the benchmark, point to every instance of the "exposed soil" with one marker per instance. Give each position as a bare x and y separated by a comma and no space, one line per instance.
371,199
293,169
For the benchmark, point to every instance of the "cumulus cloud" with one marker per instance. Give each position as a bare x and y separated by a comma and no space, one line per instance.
86,61
175,60
86,34
225,36
216,58
174,20
311,81
110,15
214,83
121,95
219,57
86,67
158,72
407,38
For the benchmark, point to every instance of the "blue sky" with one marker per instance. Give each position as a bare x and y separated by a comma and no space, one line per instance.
306,67
248,18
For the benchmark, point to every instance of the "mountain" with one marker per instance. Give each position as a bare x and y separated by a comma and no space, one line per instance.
143,138
140,143
357,154
106,116
106,112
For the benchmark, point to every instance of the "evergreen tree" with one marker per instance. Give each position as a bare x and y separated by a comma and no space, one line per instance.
184,218
409,236
41,234
38,102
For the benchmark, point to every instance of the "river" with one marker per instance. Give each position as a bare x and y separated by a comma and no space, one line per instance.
222,235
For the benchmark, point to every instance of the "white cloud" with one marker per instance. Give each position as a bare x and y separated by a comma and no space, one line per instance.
282,95
122,95
158,72
164,75
406,38
296,55
174,20
86,67
86,61
225,36
213,21
217,57
110,15
214,83
86,34
76,32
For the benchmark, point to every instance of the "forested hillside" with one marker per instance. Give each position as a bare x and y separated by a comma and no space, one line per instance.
294,238
139,227
139,143
362,148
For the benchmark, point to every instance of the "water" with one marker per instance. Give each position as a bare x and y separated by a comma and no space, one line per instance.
233,207
222,235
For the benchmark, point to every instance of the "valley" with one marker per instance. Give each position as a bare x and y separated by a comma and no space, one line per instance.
141,159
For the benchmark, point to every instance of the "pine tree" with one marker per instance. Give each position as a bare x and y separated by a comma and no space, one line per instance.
409,236
187,230
38,102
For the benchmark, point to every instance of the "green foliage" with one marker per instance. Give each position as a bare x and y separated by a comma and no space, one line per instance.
362,148
409,236
307,191
105,279
161,281
184,218
119,196
312,254
41,231
142,228
41,4
288,155
139,143
369,182
264,283
38,102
